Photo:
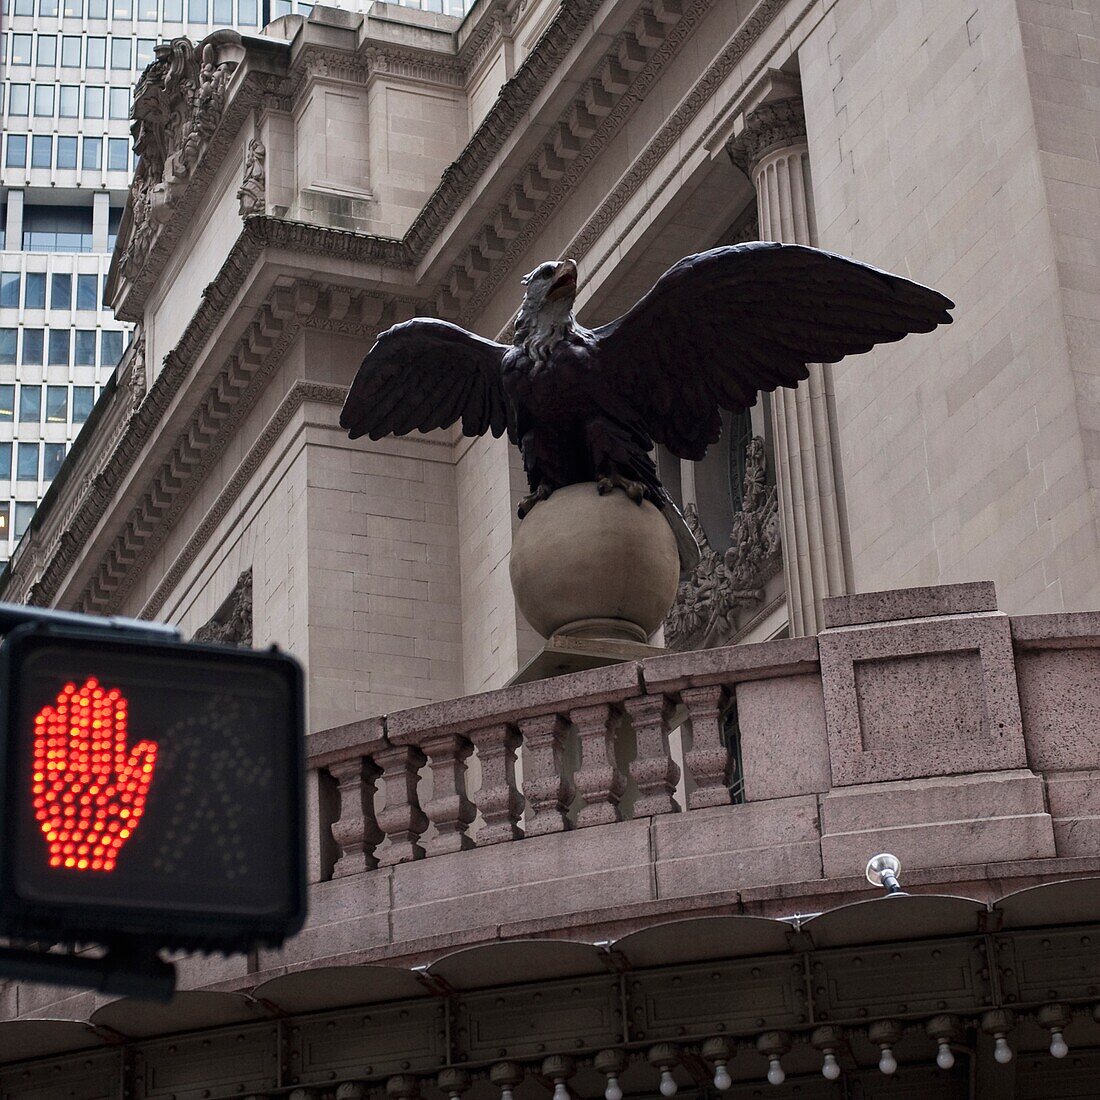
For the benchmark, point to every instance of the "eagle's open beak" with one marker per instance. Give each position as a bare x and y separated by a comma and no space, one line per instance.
565,282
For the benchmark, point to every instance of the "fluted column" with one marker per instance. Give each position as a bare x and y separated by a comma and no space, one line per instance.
772,150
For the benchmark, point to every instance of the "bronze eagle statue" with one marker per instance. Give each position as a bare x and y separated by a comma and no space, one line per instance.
585,404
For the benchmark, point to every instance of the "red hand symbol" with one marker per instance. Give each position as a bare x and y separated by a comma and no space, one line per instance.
89,793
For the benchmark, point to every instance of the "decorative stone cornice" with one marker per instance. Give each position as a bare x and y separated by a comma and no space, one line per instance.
231,624
433,68
770,126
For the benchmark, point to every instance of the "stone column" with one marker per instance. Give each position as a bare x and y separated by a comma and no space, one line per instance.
771,149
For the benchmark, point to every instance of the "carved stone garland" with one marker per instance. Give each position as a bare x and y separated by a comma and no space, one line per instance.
709,599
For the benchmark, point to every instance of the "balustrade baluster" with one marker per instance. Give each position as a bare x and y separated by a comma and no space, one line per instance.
708,760
499,800
598,779
545,785
449,810
653,769
401,819
356,830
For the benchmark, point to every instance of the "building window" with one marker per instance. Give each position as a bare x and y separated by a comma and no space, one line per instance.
24,7
19,99
59,347
86,296
57,228
5,475
93,102
247,12
7,404
95,53
9,289
147,11
223,12
8,337
42,151
47,8
70,51
120,103
83,400
24,513
196,11
30,404
122,9
85,347
173,11
73,9
34,292
17,151
26,462
120,53
97,9
93,153
118,153
66,152
61,291
111,348
68,102
47,50
34,345
145,49
53,455
57,404
43,102
21,49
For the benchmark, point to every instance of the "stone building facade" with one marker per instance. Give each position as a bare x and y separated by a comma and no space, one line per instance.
343,172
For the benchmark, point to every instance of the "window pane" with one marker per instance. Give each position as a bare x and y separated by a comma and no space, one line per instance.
52,458
20,49
86,292
34,294
145,48
73,9
57,404
7,345
120,53
47,49
85,347
223,12
24,513
34,342
122,9
120,103
196,11
59,346
27,462
68,105
83,399
5,475
97,9
93,102
24,7
19,99
93,152
61,291
48,8
17,151
7,403
43,101
9,288
70,51
173,11
111,348
95,53
147,10
246,12
41,151
66,152
118,150
30,404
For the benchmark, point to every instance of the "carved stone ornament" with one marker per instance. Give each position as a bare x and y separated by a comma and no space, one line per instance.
231,624
177,104
710,597
135,378
770,126
253,185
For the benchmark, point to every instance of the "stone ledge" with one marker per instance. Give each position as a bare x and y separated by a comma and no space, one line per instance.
863,608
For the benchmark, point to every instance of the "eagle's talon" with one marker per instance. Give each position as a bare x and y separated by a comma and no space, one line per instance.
633,489
541,493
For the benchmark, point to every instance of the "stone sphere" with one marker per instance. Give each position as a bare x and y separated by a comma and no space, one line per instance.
594,566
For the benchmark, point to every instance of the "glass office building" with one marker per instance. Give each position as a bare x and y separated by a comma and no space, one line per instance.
68,69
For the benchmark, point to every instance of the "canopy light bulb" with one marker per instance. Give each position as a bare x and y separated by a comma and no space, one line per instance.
560,1091
887,1063
945,1056
722,1078
1058,1045
1002,1052
668,1084
830,1067
776,1076
612,1092
506,1094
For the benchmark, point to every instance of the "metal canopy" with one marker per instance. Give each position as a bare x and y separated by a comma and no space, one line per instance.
518,961
23,1039
1071,901
339,987
700,939
186,1011
900,917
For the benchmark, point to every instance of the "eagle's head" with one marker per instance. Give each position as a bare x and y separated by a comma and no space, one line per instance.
547,311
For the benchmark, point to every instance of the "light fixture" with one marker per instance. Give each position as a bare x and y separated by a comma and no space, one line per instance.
558,1068
883,870
506,1075
1055,1018
773,1045
999,1022
828,1039
610,1063
944,1030
719,1051
663,1057
885,1034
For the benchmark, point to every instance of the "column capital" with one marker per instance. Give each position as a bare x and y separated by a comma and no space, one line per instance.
771,125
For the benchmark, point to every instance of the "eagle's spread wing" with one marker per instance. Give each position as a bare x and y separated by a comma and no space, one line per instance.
426,374
721,326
